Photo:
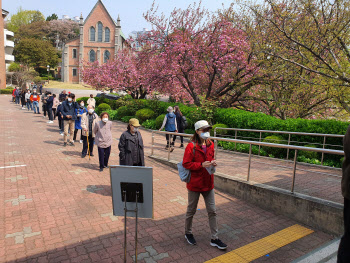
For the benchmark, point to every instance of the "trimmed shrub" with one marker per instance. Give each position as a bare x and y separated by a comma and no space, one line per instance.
6,91
150,124
276,152
144,114
308,154
9,87
124,111
127,118
159,121
102,107
219,132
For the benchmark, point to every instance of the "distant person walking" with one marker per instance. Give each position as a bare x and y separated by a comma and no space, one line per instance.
170,125
60,118
180,125
78,128
35,99
344,246
103,139
14,95
131,149
199,159
69,116
23,99
41,89
63,96
88,122
44,101
17,95
91,101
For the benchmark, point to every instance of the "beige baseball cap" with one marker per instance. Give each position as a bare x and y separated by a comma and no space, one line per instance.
134,122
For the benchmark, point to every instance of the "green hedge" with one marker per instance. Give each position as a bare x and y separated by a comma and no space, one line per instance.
102,107
144,114
124,111
150,124
159,121
6,91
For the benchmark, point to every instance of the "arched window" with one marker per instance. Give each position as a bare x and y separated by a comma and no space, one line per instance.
107,34
99,31
106,56
92,33
92,56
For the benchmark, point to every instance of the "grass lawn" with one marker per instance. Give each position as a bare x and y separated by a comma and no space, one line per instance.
62,85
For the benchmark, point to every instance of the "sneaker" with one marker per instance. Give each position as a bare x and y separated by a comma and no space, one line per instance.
83,155
101,169
218,243
190,239
61,133
91,154
71,143
81,141
50,122
65,144
181,146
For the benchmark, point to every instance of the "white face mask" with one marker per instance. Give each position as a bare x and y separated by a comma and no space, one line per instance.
82,104
136,129
105,119
91,111
69,99
205,135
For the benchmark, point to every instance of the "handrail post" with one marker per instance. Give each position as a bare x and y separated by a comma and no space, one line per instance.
250,158
152,143
288,148
259,145
324,144
235,139
216,144
169,146
294,169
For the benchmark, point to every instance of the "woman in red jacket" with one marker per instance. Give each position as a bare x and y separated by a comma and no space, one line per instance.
199,160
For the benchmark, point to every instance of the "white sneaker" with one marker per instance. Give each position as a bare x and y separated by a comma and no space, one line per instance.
61,134
81,141
50,122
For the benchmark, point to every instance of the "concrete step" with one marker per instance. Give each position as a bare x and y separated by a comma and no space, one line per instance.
324,254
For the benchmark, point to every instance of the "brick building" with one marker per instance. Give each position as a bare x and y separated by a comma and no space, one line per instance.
2,49
100,39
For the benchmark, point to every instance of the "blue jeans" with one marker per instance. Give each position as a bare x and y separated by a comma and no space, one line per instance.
17,100
36,106
29,105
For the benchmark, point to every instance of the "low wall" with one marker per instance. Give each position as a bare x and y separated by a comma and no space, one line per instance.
321,214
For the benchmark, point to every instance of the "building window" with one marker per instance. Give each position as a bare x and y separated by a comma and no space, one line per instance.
107,34
92,56
74,53
74,72
92,33
106,56
99,31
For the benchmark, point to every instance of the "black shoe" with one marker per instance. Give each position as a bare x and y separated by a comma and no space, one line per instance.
65,144
71,143
83,155
190,239
105,166
91,154
181,146
172,149
101,169
218,243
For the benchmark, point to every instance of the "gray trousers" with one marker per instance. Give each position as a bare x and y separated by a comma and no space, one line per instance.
209,199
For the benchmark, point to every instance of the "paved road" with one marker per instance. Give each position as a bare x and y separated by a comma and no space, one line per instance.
56,206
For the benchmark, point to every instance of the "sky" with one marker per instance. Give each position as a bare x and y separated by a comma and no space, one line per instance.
130,11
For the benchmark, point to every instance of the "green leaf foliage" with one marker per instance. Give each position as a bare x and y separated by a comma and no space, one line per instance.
102,108
144,114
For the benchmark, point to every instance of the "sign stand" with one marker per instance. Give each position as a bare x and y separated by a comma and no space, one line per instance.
125,211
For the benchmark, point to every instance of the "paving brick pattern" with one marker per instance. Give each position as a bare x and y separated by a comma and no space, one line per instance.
68,216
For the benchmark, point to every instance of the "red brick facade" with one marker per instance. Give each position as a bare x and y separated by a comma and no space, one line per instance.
100,38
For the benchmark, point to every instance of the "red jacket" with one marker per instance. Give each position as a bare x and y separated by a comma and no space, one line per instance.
37,98
13,93
201,180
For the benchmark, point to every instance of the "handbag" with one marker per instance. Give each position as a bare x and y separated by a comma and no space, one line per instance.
185,174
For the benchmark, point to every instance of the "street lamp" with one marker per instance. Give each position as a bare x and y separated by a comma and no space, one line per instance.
48,74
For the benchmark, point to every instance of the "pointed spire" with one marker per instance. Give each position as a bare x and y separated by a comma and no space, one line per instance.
118,19
118,22
81,15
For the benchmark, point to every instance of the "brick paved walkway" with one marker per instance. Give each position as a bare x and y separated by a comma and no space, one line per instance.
58,208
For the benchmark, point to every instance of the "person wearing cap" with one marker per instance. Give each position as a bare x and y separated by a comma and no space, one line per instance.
170,125
131,149
103,139
199,159
88,121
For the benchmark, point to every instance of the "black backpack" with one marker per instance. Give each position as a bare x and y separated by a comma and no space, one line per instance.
184,122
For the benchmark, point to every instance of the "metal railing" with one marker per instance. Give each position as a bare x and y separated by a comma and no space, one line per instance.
325,136
275,145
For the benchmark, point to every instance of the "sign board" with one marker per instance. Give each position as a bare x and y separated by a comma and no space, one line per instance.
132,179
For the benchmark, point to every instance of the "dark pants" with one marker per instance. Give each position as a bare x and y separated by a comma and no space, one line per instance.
17,99
44,109
60,124
168,138
103,156
49,112
344,246
85,145
75,134
181,137
54,113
